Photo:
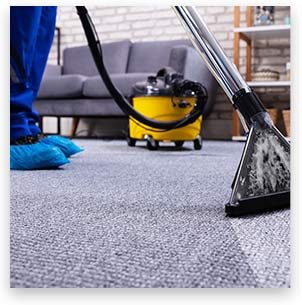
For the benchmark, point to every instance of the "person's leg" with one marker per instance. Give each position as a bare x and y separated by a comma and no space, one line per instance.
24,24
43,44
26,152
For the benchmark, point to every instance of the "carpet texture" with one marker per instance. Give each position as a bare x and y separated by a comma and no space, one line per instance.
128,217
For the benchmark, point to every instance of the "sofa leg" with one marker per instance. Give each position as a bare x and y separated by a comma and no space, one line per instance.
75,124
41,123
59,125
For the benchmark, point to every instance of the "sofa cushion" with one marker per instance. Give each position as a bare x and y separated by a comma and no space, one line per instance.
78,60
52,70
95,87
64,86
88,107
150,56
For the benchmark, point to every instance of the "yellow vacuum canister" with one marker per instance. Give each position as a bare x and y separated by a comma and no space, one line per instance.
158,100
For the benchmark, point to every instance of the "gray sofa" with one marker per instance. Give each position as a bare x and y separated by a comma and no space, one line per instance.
76,90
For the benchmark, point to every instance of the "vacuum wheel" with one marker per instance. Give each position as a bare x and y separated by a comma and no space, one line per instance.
198,143
131,142
179,144
151,143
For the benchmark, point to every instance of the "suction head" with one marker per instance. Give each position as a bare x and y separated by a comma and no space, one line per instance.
262,181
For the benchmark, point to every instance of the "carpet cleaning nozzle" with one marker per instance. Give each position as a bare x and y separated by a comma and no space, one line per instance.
262,180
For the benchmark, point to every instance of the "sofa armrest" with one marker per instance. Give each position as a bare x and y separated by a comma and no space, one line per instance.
52,70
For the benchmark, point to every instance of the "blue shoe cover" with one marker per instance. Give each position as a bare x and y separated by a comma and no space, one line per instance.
36,156
66,145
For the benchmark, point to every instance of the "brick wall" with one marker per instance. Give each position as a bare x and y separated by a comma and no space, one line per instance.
142,23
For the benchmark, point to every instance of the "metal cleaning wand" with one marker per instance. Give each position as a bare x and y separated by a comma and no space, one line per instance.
262,180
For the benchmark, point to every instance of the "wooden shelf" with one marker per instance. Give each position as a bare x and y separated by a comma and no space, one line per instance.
243,138
265,31
279,83
239,138
247,34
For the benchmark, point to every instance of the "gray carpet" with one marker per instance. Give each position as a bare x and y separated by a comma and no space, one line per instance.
127,217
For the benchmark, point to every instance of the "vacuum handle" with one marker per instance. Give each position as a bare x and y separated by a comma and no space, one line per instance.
221,67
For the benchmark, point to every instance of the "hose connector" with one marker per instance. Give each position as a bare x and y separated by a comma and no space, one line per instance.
250,106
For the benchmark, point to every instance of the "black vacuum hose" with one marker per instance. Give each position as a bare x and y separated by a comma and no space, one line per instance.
96,50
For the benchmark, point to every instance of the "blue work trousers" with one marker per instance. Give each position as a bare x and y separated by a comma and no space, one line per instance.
31,34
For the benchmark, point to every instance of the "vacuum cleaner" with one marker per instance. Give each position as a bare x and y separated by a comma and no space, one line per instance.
161,98
262,180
